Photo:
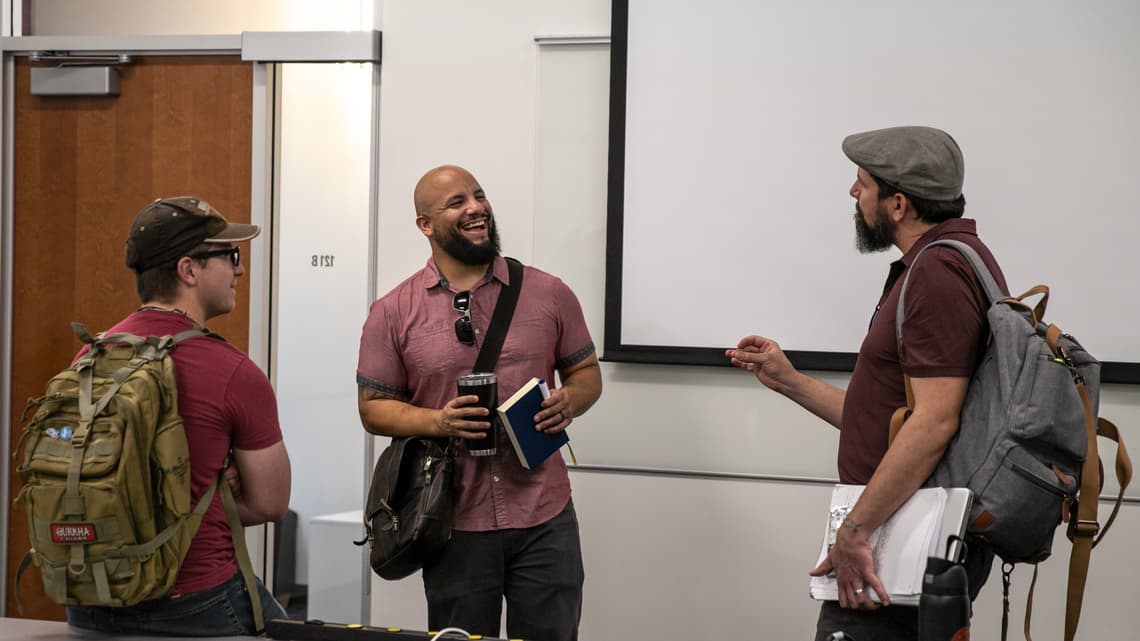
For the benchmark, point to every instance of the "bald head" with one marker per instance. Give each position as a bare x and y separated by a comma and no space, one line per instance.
436,183
454,214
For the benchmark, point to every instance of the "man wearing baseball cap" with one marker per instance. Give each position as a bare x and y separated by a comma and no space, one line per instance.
186,269
908,193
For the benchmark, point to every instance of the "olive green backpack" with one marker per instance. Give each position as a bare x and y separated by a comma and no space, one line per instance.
106,477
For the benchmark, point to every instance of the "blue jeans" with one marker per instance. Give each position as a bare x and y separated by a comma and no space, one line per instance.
538,570
217,612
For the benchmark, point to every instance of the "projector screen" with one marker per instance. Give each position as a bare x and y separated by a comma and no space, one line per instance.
728,206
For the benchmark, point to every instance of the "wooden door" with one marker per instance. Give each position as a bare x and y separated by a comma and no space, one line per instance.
83,168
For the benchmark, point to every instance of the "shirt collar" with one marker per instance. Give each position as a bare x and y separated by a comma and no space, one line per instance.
944,228
953,226
432,277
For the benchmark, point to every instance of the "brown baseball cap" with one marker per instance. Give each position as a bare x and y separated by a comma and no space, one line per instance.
169,228
921,161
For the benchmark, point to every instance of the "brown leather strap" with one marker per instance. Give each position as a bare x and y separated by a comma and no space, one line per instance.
1084,528
901,414
1107,429
1029,603
1039,308
1052,336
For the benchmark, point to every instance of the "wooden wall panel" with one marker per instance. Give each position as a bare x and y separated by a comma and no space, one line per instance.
83,168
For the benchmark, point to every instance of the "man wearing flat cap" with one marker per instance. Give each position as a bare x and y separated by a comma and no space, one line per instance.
908,193
186,267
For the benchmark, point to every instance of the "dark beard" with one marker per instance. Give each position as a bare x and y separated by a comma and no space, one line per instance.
871,239
467,252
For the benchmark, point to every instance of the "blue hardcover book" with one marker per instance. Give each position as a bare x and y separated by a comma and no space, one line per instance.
517,416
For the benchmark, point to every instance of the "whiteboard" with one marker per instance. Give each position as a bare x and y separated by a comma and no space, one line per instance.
728,206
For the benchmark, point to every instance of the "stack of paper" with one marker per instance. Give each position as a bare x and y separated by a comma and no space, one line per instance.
917,530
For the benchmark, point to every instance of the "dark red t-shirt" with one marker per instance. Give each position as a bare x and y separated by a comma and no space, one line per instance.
226,402
945,330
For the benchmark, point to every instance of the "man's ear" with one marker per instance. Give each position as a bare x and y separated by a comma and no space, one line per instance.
186,270
424,225
898,206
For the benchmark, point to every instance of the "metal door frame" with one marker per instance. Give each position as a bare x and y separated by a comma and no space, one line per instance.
264,50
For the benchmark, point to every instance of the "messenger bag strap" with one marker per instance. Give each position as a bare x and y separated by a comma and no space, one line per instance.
501,319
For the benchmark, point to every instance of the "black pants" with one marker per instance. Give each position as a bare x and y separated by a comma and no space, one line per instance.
538,570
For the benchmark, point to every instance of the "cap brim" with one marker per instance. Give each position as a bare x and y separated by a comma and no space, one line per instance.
235,233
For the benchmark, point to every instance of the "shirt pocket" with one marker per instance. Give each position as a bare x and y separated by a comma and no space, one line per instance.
432,349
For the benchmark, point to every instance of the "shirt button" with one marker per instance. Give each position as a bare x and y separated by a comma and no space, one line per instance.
495,478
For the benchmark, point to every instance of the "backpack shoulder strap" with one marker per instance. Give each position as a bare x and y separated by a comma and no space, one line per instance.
989,283
993,294
241,552
146,349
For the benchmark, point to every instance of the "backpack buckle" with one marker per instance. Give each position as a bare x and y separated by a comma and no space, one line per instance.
1083,528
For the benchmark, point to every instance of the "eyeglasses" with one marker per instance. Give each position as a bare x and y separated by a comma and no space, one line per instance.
463,330
233,252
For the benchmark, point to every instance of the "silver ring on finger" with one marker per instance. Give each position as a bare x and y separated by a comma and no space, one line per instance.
858,591
561,415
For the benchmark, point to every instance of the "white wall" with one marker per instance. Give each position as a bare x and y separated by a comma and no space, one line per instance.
321,285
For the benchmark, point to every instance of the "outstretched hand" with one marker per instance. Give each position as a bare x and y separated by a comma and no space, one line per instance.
764,358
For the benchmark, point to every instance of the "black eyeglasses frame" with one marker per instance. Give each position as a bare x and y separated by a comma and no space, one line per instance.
233,252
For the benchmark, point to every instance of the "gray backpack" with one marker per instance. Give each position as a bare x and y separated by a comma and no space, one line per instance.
1026,443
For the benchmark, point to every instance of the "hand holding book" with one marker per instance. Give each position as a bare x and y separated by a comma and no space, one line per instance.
518,414
554,413
901,546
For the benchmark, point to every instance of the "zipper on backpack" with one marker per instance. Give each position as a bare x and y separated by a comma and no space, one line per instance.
1067,359
1029,475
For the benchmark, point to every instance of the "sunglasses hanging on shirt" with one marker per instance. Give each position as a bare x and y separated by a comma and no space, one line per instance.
463,330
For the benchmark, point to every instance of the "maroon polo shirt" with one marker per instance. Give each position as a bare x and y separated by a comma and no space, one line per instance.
408,348
945,331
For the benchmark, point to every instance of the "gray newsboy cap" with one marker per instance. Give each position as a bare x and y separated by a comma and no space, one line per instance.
921,161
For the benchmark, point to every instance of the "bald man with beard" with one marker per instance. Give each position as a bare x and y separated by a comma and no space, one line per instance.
515,530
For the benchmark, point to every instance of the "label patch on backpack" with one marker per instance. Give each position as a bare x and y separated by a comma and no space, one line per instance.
73,532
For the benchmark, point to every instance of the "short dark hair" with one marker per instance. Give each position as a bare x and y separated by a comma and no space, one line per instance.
157,284
160,284
931,211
